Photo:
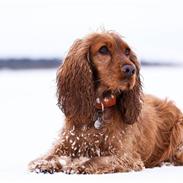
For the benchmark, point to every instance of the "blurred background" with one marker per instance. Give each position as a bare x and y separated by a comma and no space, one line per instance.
35,35
45,29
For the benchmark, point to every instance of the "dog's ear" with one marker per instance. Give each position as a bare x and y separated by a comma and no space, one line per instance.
75,85
131,104
131,100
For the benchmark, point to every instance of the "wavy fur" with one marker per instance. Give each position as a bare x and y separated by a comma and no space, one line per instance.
139,131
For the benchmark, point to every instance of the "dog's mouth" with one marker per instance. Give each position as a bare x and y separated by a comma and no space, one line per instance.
127,84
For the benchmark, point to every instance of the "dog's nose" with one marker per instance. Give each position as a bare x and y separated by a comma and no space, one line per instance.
128,70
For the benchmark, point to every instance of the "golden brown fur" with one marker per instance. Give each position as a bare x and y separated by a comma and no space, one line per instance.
138,131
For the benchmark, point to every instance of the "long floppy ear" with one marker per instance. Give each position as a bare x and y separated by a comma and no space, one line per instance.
131,100
75,86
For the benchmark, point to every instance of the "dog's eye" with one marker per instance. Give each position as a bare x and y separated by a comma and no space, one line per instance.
127,51
104,50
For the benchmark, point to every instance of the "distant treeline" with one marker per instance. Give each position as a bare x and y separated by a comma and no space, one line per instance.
26,63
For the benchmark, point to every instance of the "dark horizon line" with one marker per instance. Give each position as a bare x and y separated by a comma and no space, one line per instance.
48,63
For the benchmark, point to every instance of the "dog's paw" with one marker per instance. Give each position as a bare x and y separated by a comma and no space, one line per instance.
45,166
70,170
83,170
76,170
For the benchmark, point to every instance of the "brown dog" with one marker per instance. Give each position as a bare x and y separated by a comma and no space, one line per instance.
110,126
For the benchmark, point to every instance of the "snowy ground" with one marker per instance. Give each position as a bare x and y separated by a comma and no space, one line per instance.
30,120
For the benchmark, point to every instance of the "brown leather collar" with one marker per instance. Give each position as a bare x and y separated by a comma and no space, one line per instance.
106,102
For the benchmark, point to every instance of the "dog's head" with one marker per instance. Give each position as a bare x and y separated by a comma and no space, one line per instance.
99,63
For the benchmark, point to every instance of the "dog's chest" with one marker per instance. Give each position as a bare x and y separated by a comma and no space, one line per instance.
88,143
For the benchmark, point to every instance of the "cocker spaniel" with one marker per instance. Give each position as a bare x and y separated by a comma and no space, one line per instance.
110,125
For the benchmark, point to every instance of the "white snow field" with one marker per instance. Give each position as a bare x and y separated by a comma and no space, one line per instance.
30,121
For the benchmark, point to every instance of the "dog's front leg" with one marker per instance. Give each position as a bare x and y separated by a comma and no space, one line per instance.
110,164
52,162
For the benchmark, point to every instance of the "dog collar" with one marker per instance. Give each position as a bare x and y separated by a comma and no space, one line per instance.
106,102
101,104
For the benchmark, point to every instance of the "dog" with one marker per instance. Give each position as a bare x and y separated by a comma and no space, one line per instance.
110,125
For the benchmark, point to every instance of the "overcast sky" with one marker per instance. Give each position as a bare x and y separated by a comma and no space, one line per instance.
46,28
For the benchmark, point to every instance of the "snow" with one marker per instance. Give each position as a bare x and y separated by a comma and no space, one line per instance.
30,121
